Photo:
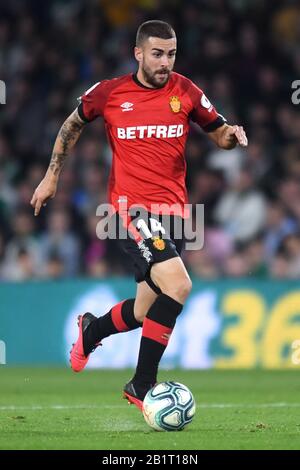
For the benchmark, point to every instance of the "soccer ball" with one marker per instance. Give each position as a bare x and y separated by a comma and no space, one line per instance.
169,406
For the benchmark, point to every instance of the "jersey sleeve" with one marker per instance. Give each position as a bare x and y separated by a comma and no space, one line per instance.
93,101
203,112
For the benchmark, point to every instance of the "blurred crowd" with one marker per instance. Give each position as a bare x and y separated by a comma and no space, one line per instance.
244,53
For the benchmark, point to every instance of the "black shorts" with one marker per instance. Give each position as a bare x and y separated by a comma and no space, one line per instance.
160,239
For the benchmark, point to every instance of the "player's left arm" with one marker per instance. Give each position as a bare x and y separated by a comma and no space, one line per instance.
213,123
227,137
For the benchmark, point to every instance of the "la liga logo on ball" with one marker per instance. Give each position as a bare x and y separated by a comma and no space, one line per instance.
169,406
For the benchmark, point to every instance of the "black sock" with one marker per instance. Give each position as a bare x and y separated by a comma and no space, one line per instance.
157,329
120,318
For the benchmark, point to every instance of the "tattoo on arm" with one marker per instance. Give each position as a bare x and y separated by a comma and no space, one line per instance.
66,139
57,162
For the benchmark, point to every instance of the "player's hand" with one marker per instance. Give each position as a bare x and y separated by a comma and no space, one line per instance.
239,134
45,190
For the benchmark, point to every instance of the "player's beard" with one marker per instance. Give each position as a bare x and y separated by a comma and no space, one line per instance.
154,78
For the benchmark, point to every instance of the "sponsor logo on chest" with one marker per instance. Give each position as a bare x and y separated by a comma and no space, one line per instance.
143,132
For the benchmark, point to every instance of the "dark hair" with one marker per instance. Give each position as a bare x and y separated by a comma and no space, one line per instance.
156,29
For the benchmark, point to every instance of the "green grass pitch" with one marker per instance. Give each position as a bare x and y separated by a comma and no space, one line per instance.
46,408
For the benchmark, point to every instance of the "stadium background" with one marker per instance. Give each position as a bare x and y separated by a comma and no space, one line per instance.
244,310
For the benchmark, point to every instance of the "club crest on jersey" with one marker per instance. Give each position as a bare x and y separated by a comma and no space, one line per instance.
158,243
175,104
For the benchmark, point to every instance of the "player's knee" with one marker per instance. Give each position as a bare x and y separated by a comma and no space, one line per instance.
184,288
179,290
139,315
140,310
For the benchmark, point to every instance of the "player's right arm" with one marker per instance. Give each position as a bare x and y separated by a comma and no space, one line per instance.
92,104
65,141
